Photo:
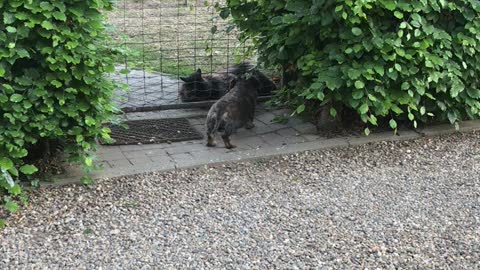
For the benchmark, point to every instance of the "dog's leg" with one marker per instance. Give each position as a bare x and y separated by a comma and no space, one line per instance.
212,126
211,140
229,130
251,117
226,141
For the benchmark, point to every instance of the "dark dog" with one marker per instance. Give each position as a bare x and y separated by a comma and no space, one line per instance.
232,111
198,88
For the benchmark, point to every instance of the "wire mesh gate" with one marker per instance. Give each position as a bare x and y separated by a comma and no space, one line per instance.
164,40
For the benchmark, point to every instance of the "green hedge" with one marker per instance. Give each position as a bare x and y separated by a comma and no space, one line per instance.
399,60
53,60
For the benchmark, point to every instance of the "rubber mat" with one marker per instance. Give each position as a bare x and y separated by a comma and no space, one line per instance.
153,131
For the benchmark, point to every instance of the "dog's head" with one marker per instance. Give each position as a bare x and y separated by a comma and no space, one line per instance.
193,87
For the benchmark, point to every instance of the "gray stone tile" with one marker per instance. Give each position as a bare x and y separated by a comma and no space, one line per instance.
155,152
265,118
132,147
184,160
135,154
166,160
288,132
186,148
140,161
110,155
254,142
119,163
306,128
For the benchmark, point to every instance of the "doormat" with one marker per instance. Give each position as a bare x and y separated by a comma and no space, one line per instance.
153,131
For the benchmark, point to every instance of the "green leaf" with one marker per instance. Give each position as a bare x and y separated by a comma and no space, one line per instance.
379,69
90,121
28,169
16,98
452,117
422,110
389,4
86,180
473,93
357,31
300,108
358,94
11,206
2,72
47,25
8,178
398,67
366,131
393,124
363,109
333,112
354,74
11,29
398,14
359,84
457,87
5,163
88,161
59,16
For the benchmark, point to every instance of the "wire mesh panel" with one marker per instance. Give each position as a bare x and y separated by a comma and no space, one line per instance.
167,40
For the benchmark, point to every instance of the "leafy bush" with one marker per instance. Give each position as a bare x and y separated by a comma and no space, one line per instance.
53,58
399,60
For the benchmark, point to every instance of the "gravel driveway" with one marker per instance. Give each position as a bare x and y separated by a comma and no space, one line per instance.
395,205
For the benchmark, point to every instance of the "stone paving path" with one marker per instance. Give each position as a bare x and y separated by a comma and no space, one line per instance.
265,140
266,137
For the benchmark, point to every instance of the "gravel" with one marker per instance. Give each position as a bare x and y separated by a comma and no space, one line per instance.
392,205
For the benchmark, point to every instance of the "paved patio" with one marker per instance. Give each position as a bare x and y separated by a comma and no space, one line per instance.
266,139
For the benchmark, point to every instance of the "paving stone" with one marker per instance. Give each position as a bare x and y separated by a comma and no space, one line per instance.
273,139
282,112
266,117
155,152
312,137
184,159
306,128
186,148
243,132
288,132
140,161
119,163
164,160
254,142
113,154
135,154
132,147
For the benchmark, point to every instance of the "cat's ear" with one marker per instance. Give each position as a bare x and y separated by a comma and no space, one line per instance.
199,72
184,79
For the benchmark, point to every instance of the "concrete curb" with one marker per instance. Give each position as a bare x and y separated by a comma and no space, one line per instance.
265,153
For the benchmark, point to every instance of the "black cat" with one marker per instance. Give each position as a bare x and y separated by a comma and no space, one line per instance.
198,88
